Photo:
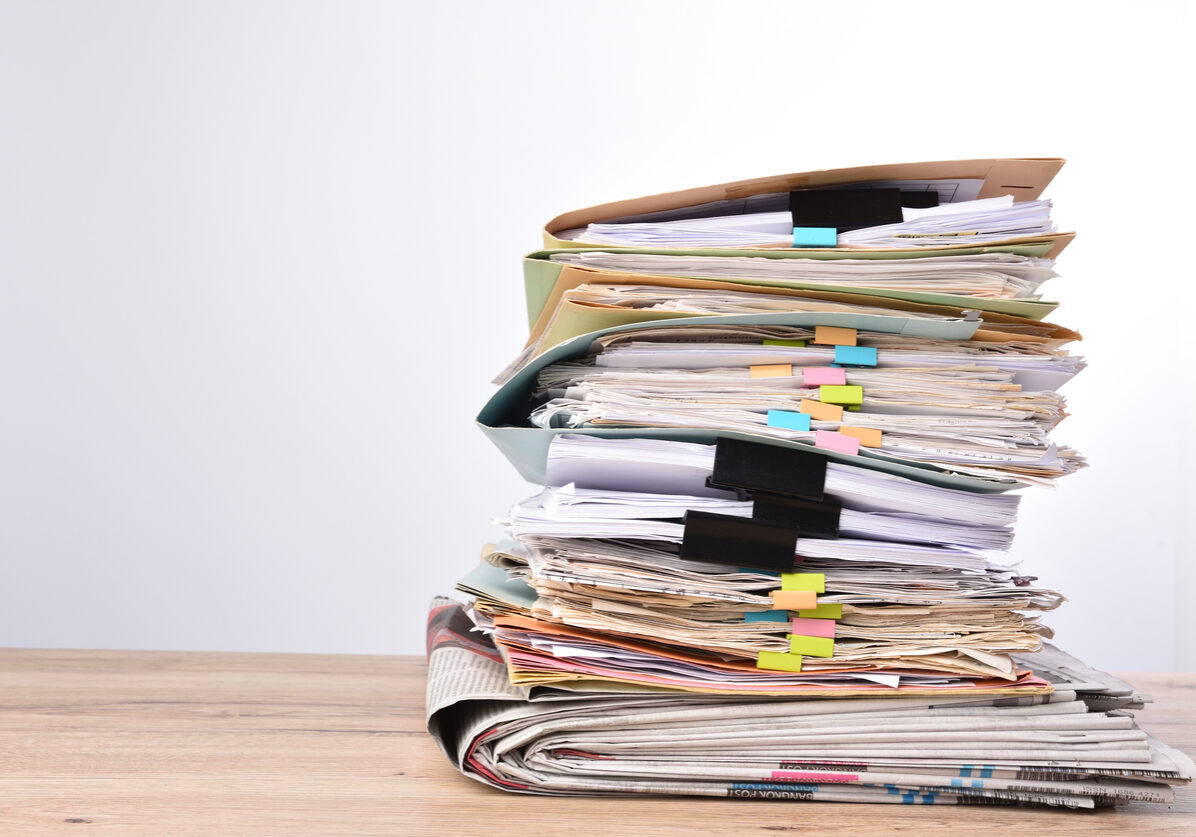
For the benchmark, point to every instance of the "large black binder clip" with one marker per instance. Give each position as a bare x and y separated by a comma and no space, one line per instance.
853,209
753,467
812,519
739,541
819,215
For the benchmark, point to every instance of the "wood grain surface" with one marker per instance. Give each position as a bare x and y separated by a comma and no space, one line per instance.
157,743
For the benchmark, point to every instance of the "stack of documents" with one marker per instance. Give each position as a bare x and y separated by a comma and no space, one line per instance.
776,429
907,588
965,408
983,275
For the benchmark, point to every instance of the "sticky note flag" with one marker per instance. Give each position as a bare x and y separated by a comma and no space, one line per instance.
830,440
815,236
804,581
773,370
831,336
793,599
839,395
813,376
855,355
813,646
869,436
821,412
797,344
788,420
826,610
777,661
814,627
766,616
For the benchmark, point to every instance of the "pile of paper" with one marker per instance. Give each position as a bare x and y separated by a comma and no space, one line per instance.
1064,748
984,275
903,582
768,554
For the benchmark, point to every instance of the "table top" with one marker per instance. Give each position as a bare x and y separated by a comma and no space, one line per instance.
134,742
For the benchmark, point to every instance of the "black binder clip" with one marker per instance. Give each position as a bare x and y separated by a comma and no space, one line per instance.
812,519
819,215
753,467
739,541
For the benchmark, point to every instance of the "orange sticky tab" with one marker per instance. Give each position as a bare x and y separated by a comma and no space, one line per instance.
794,599
831,336
821,412
774,370
869,437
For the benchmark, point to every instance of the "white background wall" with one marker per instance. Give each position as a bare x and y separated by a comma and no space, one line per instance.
259,262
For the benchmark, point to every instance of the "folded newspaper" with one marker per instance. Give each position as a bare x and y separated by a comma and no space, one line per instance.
1076,747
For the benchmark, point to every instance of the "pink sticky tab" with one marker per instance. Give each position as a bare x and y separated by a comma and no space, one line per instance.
804,626
836,441
813,376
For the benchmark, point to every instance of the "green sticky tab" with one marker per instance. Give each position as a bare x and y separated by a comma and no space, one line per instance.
832,394
815,646
827,610
804,581
797,344
777,661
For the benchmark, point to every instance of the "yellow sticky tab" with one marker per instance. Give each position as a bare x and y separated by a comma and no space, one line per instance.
814,646
772,370
797,344
826,610
804,581
831,336
831,394
778,661
793,599
869,437
821,412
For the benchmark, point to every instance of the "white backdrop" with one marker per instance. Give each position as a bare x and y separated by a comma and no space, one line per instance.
259,262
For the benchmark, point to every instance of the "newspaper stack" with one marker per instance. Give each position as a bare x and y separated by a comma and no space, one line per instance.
1068,748
768,557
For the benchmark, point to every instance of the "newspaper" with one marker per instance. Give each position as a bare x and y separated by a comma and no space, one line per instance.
1056,749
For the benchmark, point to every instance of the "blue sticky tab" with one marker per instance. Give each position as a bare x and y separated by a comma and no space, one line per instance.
957,783
977,783
855,355
987,773
767,616
788,420
815,236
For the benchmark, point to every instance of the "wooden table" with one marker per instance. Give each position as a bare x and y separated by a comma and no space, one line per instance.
157,743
